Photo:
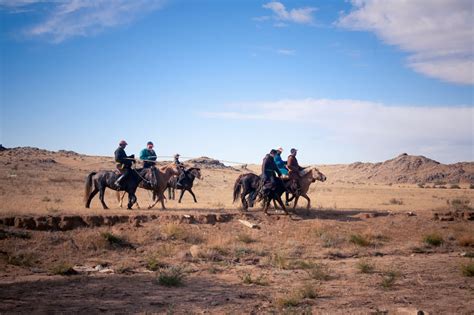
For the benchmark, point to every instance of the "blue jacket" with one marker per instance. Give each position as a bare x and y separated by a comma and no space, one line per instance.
281,164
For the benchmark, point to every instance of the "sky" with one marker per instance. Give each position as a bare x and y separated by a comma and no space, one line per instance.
341,81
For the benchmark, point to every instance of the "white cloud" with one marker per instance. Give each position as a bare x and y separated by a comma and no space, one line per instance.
439,34
298,15
82,17
286,52
441,132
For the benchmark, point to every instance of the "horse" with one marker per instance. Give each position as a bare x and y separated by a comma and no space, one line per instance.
246,184
268,193
186,183
308,177
99,181
156,181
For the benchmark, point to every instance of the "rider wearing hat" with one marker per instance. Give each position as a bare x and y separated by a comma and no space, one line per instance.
124,163
294,169
182,173
148,155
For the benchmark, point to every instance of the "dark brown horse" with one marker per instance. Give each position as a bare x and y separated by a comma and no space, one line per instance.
246,184
186,183
97,182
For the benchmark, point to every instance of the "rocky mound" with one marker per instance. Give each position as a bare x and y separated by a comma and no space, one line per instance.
206,162
409,169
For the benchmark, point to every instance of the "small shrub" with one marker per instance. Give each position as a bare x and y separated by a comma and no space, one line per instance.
468,270
260,280
395,201
455,186
25,259
389,278
365,266
115,241
460,204
245,238
421,185
279,260
433,239
359,240
171,277
319,272
154,264
308,292
466,240
290,300
63,269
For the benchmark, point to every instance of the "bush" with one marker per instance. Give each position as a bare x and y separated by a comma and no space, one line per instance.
468,270
359,240
171,277
63,269
433,239
154,264
365,266
395,201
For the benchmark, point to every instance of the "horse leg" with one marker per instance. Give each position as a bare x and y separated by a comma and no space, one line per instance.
275,205
309,201
278,198
287,197
296,201
173,192
121,199
101,197
131,200
245,205
194,197
92,195
162,198
181,195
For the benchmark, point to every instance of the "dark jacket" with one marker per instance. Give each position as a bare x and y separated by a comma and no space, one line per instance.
122,159
269,167
293,167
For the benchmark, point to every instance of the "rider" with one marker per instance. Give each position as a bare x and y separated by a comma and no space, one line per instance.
148,155
124,163
182,174
294,170
279,162
269,168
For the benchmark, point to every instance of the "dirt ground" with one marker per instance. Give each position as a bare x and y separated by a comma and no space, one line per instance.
361,248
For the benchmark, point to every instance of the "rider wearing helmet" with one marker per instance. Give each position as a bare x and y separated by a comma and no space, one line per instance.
124,163
148,155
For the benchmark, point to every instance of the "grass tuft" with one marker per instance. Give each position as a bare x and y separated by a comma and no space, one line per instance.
468,270
433,239
171,276
260,280
395,201
63,269
389,278
245,238
116,241
365,266
359,240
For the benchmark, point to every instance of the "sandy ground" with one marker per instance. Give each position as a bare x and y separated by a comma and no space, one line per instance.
356,250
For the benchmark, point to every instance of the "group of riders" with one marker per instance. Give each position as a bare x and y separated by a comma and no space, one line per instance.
273,166
148,155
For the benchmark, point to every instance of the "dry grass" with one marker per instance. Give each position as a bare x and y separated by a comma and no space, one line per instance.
433,239
365,266
171,276
388,278
63,269
468,270
359,240
466,240
260,280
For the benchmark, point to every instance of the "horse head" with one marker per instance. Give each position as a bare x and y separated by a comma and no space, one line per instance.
196,172
172,168
317,175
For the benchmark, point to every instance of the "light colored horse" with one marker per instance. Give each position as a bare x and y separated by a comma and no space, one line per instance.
308,176
156,180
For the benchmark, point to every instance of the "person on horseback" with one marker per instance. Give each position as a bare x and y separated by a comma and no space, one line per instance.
182,173
279,162
124,164
269,168
148,155
294,171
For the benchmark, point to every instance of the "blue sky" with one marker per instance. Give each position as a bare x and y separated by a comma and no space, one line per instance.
341,81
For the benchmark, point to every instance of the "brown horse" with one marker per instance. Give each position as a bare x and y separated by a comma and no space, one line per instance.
156,181
308,176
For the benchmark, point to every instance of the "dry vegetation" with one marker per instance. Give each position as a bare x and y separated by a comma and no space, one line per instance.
357,250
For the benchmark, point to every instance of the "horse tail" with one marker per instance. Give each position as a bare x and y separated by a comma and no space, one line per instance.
237,187
88,187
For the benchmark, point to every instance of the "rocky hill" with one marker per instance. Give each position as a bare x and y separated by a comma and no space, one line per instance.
403,169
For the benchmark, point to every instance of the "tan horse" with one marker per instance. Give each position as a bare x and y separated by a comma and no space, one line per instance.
308,176
156,180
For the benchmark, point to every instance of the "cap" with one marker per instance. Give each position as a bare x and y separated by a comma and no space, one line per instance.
177,155
149,143
123,142
294,150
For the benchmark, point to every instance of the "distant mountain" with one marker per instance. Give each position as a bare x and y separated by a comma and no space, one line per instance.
404,169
